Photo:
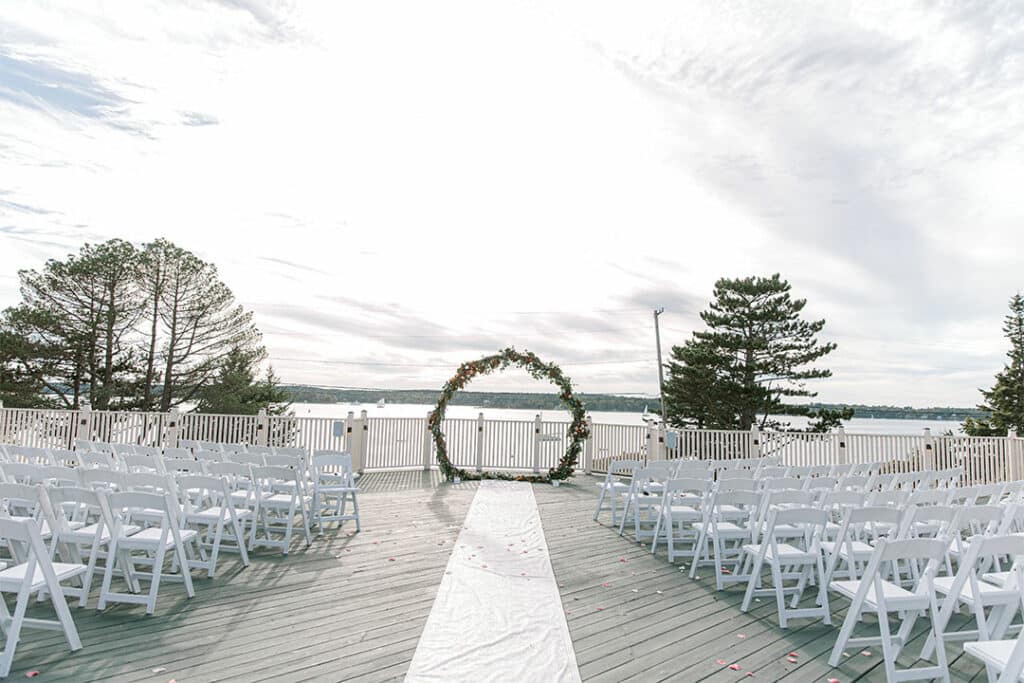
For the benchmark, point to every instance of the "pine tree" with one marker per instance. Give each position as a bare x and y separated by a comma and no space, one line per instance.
1004,402
236,391
757,351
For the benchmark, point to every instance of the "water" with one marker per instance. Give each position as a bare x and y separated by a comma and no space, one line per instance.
858,425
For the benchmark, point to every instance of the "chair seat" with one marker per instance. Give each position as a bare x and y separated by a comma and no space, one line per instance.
895,596
943,584
784,530
212,514
786,552
994,653
86,534
724,529
282,500
149,539
861,550
997,578
11,578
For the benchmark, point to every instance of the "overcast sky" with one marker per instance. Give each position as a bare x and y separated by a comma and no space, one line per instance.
396,187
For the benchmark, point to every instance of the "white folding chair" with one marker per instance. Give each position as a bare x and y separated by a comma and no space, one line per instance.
178,453
731,523
208,505
142,463
71,511
254,459
96,460
62,457
333,486
872,593
154,542
643,496
682,506
612,487
275,510
122,449
861,527
968,588
209,446
186,444
798,561
233,448
35,574
258,450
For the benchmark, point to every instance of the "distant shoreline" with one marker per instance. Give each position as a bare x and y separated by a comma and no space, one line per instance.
597,402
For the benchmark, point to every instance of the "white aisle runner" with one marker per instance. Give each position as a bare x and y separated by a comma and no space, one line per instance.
498,615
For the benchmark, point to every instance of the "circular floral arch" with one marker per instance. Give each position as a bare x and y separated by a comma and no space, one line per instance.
577,433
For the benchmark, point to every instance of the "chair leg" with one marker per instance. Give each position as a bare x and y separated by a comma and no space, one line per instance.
217,535
14,630
355,509
154,583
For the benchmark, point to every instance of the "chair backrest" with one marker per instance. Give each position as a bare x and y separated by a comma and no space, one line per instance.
928,497
233,448
734,474
267,477
67,504
248,459
964,495
210,446
198,491
284,461
840,471
178,452
738,484
291,450
687,486
64,457
102,479
693,468
123,504
783,484
22,498
259,450
211,456
84,445
150,482
894,498
57,475
123,448
820,483
151,451
188,444
853,482
142,463
839,499
94,459
979,518
21,472
173,465
990,494
772,472
619,467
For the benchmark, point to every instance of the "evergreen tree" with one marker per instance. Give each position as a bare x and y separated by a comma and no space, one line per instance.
756,352
236,391
1004,402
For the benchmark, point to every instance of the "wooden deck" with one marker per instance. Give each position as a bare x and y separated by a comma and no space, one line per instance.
352,606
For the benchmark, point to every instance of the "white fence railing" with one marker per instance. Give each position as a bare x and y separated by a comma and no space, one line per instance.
379,443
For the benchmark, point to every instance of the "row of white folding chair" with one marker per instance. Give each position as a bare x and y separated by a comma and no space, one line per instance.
36,454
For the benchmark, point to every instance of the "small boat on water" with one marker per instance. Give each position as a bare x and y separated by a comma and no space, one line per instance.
380,403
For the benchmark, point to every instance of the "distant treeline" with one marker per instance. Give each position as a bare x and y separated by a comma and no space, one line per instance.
904,413
598,402
483,399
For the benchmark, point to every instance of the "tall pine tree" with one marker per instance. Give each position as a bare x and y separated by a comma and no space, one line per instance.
756,352
1004,402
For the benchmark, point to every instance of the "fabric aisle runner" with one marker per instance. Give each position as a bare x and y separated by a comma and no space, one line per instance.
498,614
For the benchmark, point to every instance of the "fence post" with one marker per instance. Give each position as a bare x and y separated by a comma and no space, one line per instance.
360,430
754,450
480,443
262,427
928,455
1016,455
83,430
843,455
428,439
588,447
652,442
173,428
536,443
350,430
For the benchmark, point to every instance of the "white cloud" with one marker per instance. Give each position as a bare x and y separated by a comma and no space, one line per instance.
457,164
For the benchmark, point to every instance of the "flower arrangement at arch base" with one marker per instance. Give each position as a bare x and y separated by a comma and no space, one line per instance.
577,433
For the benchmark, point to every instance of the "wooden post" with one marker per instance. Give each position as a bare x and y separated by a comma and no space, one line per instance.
1016,449
83,430
842,452
350,429
428,440
173,428
536,443
928,454
651,439
480,443
360,430
754,450
262,427
588,447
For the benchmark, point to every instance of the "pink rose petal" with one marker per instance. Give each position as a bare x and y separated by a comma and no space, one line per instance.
735,667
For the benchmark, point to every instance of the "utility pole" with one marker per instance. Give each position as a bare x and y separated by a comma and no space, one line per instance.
661,370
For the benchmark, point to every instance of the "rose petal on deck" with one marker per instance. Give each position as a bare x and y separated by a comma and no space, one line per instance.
740,636
31,674
735,667
866,653
721,662
159,669
791,660
792,654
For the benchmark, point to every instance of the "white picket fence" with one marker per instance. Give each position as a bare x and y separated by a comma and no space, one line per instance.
384,443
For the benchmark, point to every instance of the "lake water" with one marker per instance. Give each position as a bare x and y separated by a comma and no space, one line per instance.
858,425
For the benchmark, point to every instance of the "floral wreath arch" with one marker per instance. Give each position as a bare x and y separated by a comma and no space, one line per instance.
577,433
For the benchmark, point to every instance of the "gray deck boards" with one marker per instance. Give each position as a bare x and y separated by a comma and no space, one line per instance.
343,609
